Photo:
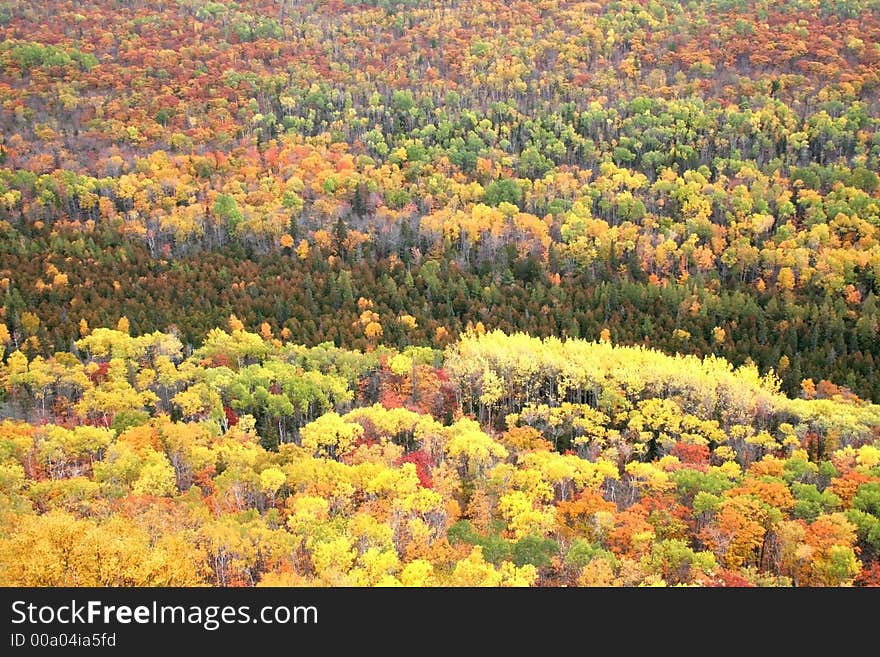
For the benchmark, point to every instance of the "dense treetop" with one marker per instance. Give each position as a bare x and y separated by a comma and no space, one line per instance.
505,460
456,293
700,177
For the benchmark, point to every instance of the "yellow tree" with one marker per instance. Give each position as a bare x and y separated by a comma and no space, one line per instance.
330,436
475,571
470,448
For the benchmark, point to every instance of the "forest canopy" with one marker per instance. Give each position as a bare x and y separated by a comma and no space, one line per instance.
696,177
383,292
504,460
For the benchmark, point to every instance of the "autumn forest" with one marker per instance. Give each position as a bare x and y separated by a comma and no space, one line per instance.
318,293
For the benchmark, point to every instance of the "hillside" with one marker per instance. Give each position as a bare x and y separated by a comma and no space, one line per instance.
504,461
696,177
350,293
